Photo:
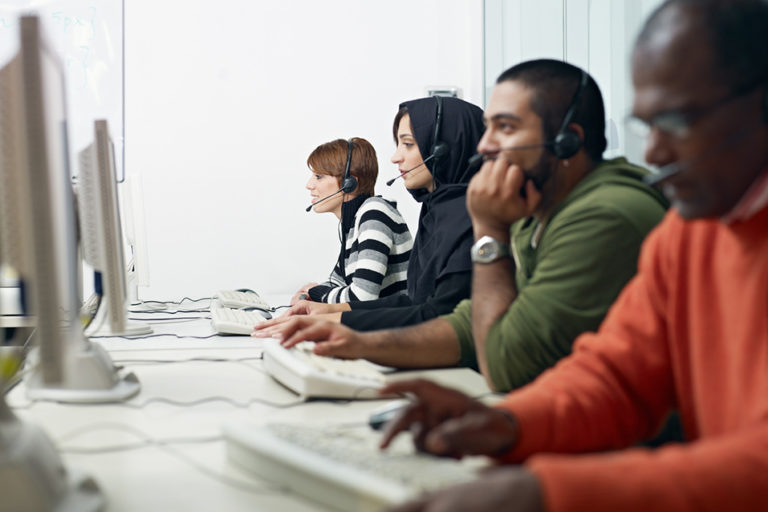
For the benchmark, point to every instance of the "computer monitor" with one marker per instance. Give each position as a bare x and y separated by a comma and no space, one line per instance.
37,240
64,365
132,200
101,237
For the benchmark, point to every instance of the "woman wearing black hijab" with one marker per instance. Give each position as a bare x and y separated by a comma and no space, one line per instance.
440,270
447,131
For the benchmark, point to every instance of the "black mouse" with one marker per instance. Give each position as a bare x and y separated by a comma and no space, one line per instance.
266,314
386,413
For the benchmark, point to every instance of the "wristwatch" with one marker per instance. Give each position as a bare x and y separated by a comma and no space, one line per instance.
487,250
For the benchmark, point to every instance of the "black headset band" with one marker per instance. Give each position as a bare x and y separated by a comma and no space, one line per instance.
349,159
438,122
583,80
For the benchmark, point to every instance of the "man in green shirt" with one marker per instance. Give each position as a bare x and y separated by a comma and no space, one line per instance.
557,229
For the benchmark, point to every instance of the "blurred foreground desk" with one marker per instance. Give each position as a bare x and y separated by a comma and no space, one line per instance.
163,450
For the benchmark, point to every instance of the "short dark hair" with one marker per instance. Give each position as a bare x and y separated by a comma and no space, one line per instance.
736,31
331,159
554,84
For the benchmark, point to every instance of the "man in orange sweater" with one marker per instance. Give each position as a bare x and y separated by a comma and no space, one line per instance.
690,331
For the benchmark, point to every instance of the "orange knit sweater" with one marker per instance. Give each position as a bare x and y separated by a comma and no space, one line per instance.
689,331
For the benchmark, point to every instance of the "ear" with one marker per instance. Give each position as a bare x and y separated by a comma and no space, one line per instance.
577,128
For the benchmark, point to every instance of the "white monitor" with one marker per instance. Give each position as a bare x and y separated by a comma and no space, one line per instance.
132,200
101,237
37,236
64,366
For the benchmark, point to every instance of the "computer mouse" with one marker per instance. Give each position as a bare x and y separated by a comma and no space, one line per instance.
382,415
246,290
266,314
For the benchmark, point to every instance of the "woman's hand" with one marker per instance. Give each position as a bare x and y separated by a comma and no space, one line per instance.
283,326
307,307
302,293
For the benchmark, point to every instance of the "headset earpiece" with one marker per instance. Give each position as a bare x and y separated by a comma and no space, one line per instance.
567,142
349,183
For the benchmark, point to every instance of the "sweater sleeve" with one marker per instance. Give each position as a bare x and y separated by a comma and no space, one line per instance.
375,241
720,473
449,291
587,260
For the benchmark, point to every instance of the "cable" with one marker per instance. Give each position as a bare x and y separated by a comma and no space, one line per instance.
166,446
208,399
165,312
192,360
164,305
159,336
179,320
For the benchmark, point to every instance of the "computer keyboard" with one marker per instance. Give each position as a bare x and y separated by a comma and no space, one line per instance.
235,321
342,467
242,299
310,375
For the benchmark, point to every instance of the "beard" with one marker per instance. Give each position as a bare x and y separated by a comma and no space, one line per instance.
542,171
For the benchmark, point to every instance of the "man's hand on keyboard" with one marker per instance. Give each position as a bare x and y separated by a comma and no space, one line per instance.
449,423
331,338
511,488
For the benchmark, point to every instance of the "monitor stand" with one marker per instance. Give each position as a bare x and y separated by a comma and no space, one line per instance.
101,326
33,476
89,377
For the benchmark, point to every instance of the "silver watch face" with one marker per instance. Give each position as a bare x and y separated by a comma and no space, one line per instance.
487,250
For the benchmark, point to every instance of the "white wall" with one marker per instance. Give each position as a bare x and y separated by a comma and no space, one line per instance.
225,100
596,35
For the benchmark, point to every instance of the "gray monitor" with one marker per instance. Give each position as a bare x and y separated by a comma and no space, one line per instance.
101,237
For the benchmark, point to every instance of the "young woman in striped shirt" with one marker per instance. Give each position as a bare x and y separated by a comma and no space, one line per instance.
375,240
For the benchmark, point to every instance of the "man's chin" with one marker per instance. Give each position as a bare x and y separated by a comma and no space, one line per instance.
692,211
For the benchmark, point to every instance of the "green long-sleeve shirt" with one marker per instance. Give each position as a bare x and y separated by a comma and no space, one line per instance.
585,254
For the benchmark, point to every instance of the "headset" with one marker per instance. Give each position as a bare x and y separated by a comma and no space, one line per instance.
349,183
439,148
567,142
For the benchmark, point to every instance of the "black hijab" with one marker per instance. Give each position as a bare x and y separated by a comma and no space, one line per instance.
444,235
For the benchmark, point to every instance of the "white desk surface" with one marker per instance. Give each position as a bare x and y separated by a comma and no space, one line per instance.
190,476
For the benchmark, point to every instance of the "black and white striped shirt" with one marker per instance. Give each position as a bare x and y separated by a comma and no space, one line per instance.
378,246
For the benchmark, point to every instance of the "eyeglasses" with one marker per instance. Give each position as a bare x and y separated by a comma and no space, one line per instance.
679,123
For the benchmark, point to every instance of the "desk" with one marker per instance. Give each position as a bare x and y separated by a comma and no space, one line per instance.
189,476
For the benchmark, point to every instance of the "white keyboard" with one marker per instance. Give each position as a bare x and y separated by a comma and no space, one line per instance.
238,299
310,375
342,467
235,321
